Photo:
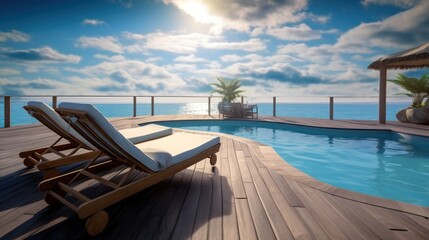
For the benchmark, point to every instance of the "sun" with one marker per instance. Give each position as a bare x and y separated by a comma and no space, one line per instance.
198,11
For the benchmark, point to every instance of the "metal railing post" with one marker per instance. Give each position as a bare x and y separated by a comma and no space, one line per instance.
6,111
331,108
152,104
274,106
242,100
54,101
134,106
209,102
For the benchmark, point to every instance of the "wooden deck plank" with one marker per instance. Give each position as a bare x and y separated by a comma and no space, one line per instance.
203,202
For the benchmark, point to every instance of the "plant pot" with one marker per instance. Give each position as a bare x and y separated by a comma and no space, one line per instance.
418,115
401,115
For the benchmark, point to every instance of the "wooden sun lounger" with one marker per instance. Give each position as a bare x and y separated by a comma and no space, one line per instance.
66,154
93,210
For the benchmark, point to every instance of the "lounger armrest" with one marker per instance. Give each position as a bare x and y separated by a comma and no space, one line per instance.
67,160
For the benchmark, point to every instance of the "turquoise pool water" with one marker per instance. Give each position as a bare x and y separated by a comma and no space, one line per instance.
379,163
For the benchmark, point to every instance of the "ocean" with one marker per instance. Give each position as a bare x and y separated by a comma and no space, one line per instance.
355,110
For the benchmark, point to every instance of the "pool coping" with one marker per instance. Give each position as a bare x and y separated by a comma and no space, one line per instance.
273,160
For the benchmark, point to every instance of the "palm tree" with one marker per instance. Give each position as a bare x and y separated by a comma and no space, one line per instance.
418,89
229,89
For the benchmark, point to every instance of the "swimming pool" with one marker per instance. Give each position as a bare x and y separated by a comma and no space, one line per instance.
380,163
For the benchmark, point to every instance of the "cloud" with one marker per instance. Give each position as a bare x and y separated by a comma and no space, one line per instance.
120,76
21,86
44,54
9,71
231,58
398,3
242,15
190,58
115,58
107,43
93,22
188,43
302,32
402,30
14,36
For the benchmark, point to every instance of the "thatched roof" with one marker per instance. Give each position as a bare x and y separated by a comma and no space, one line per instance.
417,57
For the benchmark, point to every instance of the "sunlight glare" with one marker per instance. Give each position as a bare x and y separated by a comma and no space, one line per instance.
198,11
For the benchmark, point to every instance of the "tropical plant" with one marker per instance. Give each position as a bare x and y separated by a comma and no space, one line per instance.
229,89
418,89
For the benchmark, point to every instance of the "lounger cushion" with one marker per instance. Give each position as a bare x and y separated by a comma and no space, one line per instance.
59,121
145,133
117,137
180,146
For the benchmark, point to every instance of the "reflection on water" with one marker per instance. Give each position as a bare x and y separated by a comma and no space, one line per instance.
379,163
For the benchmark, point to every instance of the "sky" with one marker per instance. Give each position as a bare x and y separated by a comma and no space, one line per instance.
179,47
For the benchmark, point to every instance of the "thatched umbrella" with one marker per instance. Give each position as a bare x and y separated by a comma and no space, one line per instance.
417,57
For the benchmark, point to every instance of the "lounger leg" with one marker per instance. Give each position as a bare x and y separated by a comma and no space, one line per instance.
213,159
51,200
96,223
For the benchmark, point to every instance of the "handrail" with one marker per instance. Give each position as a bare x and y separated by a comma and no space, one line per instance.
7,101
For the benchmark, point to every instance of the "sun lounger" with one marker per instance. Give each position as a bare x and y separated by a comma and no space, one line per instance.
159,159
63,153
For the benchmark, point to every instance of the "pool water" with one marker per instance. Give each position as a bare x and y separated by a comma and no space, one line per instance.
380,163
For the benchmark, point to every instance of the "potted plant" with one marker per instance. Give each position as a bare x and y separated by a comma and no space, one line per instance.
418,90
229,90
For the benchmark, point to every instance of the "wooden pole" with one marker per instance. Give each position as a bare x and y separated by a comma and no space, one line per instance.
7,111
152,104
209,102
331,108
274,106
54,102
382,96
134,106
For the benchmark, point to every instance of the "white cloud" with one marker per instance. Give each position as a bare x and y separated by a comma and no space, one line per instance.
251,45
115,58
44,54
9,71
190,58
14,36
398,3
93,22
188,43
108,43
302,32
231,58
402,30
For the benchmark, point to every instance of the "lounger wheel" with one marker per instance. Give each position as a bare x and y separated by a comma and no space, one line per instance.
96,223
28,163
213,159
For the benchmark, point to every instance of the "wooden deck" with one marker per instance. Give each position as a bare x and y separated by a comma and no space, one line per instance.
250,194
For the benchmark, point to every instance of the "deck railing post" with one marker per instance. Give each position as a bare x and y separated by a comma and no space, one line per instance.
274,106
6,111
134,106
242,100
331,108
54,101
209,102
152,105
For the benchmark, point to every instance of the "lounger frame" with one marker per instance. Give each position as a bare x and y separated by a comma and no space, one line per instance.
93,210
35,157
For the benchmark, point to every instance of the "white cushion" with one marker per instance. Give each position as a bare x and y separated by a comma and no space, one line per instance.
180,146
145,133
59,121
118,138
